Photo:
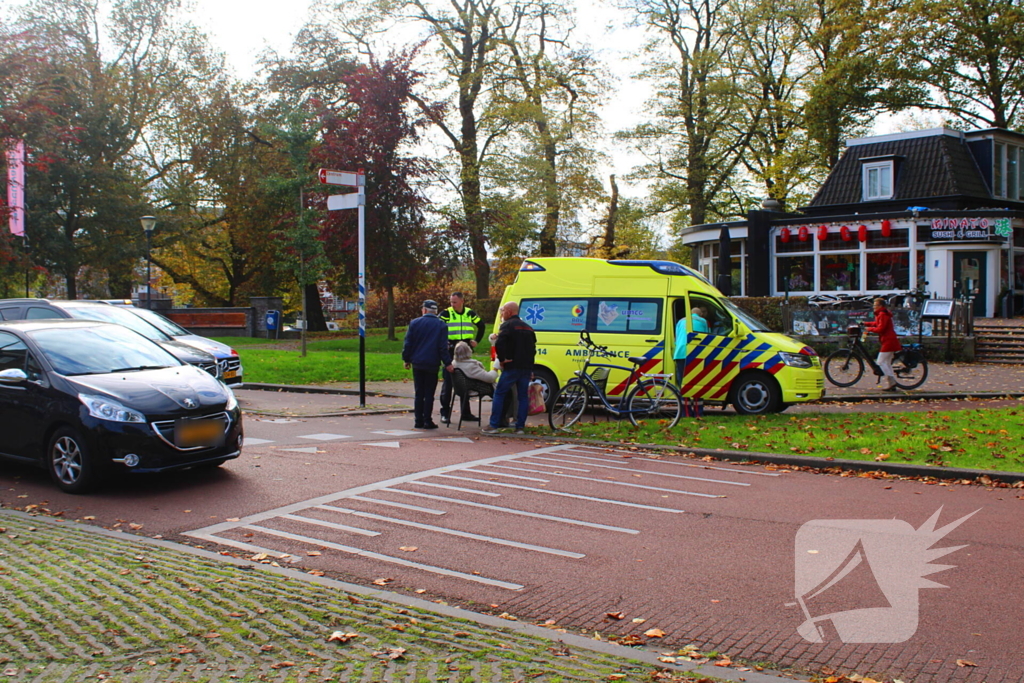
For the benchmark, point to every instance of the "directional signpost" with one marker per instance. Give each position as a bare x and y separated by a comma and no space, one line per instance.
353,200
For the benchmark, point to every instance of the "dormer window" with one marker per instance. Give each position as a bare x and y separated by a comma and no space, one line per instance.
877,180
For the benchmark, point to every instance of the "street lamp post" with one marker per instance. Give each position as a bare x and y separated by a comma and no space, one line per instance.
148,223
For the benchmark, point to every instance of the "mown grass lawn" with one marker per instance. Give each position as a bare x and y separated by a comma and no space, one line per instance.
982,439
334,359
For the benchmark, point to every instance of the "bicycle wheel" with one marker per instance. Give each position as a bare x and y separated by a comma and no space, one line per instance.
910,377
844,368
656,399
568,405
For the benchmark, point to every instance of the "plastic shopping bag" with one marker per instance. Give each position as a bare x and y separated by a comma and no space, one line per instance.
536,394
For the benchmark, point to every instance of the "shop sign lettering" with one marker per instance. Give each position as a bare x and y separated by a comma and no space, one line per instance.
959,229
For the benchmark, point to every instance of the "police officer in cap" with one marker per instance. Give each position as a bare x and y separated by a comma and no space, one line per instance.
463,325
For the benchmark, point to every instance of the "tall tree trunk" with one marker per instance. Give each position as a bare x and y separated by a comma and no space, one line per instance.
609,250
315,321
391,314
552,199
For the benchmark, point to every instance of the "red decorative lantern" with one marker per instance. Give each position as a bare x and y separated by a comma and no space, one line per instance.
784,235
844,232
886,228
862,233
803,233
822,233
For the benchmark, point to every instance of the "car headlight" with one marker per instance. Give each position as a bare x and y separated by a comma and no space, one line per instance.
108,409
232,401
796,360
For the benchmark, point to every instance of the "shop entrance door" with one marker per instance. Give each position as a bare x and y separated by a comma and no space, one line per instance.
969,277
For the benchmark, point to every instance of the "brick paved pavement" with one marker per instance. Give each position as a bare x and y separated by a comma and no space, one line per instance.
80,604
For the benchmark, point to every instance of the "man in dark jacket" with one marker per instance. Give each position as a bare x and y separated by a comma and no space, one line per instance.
516,346
425,350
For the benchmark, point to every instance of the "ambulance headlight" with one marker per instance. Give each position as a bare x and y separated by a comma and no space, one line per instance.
796,360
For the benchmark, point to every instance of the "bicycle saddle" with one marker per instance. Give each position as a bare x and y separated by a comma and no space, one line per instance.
636,360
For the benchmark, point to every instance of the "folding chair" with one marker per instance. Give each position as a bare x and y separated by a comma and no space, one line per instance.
466,388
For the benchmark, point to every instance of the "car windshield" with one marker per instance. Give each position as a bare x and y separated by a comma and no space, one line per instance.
750,321
99,350
113,314
163,324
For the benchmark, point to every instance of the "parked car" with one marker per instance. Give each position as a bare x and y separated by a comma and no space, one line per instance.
85,398
35,309
227,358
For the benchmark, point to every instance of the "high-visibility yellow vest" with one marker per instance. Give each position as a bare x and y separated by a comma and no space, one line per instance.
461,326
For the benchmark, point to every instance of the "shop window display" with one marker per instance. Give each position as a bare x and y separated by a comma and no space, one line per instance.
888,271
840,272
795,274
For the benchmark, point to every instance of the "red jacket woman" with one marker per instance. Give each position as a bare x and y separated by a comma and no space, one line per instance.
882,326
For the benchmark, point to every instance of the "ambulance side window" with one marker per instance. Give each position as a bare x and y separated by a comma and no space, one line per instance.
719,321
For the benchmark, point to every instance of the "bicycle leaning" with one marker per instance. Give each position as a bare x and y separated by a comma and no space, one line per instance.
653,396
845,367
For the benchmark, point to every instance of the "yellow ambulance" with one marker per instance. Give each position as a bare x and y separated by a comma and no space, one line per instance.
632,307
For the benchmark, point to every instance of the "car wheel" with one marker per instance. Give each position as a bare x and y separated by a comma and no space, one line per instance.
546,379
72,467
756,394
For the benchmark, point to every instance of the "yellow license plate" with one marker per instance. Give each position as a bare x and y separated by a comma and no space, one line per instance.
230,374
196,433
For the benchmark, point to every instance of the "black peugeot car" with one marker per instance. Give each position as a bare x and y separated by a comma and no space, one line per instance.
86,398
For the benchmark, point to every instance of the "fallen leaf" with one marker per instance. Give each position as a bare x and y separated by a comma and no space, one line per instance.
282,665
654,633
382,582
267,648
313,553
409,548
341,637
881,456
615,615
638,620
965,662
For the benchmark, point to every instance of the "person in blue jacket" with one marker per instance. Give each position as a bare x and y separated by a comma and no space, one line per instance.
425,350
698,323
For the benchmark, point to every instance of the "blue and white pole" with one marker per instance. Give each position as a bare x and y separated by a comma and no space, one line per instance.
362,290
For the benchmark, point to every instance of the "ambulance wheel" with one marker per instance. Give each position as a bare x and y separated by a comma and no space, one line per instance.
546,379
756,394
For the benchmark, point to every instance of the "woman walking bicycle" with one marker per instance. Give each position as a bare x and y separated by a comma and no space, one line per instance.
882,326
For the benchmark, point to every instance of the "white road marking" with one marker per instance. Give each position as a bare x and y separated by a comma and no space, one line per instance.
659,474
363,553
331,525
508,476
250,441
382,444
454,532
305,449
457,439
405,506
551,493
513,511
456,488
395,432
611,482
628,455
325,437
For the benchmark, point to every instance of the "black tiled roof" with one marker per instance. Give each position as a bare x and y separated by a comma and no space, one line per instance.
926,167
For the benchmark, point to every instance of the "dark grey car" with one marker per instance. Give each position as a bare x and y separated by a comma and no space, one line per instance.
38,309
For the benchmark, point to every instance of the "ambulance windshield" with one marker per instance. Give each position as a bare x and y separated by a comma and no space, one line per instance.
750,321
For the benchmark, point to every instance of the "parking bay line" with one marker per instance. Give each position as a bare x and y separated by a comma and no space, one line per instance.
610,501
369,555
628,469
404,506
593,450
605,481
455,532
513,511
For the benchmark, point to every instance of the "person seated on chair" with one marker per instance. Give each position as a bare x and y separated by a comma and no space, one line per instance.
475,372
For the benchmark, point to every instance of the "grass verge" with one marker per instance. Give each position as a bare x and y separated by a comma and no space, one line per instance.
978,439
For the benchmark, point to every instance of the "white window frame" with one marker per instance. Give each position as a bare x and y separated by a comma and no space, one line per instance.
866,172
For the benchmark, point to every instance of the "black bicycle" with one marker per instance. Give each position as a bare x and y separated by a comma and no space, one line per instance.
654,396
845,367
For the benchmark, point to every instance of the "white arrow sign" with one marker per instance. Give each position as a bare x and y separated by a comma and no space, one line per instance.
328,177
352,200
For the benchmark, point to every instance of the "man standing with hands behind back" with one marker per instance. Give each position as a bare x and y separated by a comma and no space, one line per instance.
463,325
516,347
425,350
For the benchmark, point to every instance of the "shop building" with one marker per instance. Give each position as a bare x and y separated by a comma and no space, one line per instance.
936,206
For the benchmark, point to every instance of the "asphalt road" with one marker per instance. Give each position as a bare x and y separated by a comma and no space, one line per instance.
709,553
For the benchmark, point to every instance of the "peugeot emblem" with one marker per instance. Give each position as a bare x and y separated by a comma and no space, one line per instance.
190,403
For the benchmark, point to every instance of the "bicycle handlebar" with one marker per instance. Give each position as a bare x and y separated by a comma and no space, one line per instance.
585,340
